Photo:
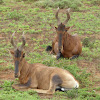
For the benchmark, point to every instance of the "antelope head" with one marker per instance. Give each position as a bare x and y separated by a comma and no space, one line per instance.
61,29
18,54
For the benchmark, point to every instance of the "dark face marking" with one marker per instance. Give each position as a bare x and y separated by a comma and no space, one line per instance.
16,68
60,41
57,80
61,27
60,30
59,55
17,53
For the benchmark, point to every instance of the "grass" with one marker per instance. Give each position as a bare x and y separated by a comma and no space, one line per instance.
15,15
74,4
8,93
38,24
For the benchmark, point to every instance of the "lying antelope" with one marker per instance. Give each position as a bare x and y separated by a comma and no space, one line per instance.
38,77
64,44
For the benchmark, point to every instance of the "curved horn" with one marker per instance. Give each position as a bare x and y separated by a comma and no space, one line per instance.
23,44
68,16
12,40
58,20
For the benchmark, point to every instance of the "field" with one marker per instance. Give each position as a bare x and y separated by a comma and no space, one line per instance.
37,20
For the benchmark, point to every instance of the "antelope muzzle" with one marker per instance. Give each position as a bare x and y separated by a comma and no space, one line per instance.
59,46
16,69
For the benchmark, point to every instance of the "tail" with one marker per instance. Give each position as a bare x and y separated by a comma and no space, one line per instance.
49,48
77,85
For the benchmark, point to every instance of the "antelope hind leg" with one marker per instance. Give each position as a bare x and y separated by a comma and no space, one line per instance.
51,89
55,81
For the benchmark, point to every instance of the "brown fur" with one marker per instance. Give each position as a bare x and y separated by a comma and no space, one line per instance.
64,43
39,77
43,79
71,45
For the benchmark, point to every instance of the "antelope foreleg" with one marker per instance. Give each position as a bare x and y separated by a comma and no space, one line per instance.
20,87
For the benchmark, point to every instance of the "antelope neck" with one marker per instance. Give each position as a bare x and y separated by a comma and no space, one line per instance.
24,70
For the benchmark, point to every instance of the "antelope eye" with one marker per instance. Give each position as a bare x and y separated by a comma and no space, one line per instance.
23,55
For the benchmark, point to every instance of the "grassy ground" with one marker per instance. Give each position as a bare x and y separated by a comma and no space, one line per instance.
38,25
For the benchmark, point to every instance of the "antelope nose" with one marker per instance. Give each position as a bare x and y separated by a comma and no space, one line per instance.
16,76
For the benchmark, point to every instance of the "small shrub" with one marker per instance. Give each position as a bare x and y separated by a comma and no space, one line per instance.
27,0
15,15
86,95
19,0
74,4
91,43
86,42
84,79
72,93
31,0
7,85
36,9
95,2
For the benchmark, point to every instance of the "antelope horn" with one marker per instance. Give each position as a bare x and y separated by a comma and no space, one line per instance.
12,40
68,16
58,20
23,44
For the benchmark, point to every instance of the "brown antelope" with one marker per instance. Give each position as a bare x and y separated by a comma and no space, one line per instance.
64,44
38,77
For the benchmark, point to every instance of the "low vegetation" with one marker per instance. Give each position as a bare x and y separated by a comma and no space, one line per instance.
37,20
74,4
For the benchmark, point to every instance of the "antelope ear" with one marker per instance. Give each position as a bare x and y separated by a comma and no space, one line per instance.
12,52
67,28
23,55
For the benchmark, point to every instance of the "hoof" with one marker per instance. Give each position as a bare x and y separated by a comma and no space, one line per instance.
49,48
73,57
58,55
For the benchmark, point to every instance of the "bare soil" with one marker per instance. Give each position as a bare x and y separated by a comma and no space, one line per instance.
91,67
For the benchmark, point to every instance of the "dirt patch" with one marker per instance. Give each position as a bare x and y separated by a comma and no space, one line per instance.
1,37
45,96
92,36
91,67
6,75
49,96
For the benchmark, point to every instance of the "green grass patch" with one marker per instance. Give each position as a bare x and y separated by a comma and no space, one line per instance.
9,93
74,4
15,15
38,20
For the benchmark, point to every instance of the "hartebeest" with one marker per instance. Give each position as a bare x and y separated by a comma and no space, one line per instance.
65,44
38,77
